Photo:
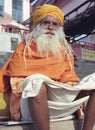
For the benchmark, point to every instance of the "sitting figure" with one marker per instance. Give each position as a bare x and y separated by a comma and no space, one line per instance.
41,76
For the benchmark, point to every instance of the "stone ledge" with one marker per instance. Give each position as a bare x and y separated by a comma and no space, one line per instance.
59,125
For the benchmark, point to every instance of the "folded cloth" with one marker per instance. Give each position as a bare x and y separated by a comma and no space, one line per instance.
61,96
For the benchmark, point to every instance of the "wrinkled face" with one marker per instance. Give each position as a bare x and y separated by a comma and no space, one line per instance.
50,23
48,36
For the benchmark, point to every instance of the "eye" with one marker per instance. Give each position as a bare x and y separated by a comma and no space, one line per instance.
45,22
55,24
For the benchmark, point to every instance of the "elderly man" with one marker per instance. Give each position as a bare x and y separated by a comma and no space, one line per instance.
44,85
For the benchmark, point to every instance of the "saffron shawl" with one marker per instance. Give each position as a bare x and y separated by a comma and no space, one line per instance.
23,65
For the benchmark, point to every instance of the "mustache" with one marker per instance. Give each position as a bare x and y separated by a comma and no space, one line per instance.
49,32
52,32
39,31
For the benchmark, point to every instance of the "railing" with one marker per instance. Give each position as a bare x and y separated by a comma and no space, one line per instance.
13,29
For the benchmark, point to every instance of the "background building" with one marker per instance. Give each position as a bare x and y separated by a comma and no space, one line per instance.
14,12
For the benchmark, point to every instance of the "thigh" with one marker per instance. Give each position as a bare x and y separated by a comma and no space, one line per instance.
84,93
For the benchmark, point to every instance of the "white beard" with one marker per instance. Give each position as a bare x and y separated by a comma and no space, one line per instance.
50,43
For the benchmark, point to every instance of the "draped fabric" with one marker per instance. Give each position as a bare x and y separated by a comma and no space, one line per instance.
21,65
57,68
61,97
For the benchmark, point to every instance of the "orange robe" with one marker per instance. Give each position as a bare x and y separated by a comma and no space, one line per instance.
20,65
56,68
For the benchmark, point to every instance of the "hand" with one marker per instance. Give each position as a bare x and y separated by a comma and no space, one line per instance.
71,83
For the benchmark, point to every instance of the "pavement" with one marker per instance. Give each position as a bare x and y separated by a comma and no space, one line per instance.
58,125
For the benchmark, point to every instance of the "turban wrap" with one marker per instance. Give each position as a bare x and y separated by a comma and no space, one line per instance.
47,10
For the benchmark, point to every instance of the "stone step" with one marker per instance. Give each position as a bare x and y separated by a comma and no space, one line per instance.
57,125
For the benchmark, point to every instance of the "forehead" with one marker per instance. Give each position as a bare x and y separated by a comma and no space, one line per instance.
51,18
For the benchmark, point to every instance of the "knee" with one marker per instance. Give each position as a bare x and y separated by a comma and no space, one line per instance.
42,95
93,92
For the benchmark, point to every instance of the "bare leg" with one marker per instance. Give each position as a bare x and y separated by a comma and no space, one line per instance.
89,118
38,107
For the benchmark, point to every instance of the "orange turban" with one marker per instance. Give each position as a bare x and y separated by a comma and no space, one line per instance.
48,10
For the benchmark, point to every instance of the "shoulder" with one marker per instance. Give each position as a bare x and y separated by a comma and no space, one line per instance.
20,46
19,49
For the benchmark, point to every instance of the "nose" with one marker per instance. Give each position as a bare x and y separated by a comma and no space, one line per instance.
50,26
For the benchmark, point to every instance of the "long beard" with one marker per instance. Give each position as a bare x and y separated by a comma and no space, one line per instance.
48,41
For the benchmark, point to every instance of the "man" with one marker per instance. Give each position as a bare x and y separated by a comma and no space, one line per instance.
41,72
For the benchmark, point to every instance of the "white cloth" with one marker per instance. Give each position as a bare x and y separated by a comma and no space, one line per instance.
61,96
